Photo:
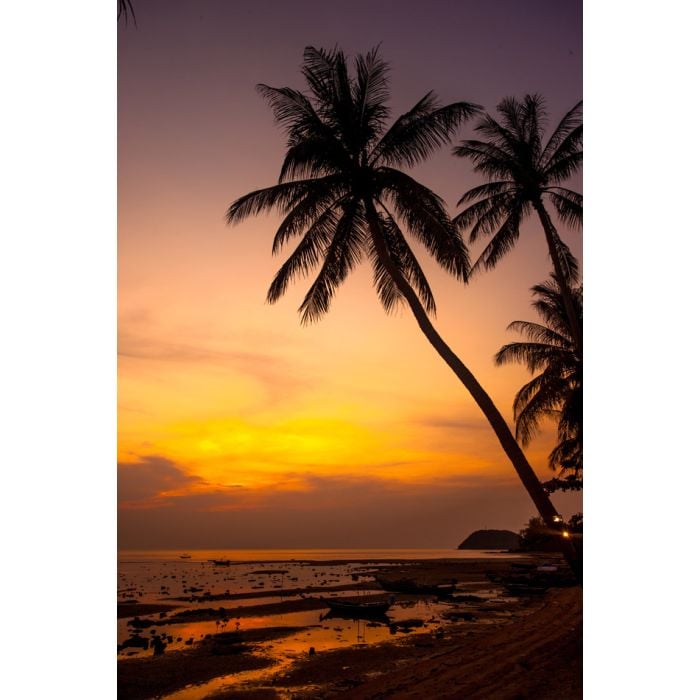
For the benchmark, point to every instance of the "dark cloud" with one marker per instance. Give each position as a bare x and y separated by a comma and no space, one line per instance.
149,479
327,511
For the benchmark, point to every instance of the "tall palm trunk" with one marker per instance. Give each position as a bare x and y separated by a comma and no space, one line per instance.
522,467
551,233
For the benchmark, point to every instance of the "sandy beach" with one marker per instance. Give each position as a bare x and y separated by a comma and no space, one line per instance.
474,646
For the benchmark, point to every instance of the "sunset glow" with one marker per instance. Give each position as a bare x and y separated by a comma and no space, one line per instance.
228,405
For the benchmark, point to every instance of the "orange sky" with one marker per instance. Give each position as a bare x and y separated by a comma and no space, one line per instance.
238,426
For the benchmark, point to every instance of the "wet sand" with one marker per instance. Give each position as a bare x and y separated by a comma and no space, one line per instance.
526,648
534,655
140,679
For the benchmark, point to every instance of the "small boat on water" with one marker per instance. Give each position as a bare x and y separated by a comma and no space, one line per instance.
185,556
360,608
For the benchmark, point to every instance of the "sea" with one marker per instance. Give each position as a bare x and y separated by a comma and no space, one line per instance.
260,555
264,581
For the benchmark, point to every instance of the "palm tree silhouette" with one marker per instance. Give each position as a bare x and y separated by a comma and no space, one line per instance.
339,190
523,173
556,390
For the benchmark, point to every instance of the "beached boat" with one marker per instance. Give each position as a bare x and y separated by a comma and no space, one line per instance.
518,589
360,608
221,562
406,585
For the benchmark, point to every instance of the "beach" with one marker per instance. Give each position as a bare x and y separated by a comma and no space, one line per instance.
277,640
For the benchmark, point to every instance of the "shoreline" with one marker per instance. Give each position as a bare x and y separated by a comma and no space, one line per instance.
508,638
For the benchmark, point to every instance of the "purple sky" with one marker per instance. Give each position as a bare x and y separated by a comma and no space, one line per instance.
207,366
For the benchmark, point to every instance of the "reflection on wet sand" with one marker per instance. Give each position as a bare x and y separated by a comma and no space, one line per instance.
189,642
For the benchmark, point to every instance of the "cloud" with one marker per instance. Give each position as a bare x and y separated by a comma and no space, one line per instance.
451,423
177,510
274,372
151,480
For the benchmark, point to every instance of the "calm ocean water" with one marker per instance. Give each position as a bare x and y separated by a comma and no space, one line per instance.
251,555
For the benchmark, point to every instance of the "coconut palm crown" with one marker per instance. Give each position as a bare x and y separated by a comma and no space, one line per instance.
556,390
341,169
524,171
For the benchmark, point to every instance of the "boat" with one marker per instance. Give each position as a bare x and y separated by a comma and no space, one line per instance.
374,608
185,556
523,589
221,562
407,585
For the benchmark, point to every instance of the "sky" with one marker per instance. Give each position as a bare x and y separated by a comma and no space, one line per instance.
238,426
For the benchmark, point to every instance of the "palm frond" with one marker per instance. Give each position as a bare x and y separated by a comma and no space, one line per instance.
547,335
571,123
567,260
503,240
488,189
305,212
282,196
501,137
556,392
535,355
488,158
549,305
418,133
568,454
426,218
511,114
536,400
342,254
314,158
569,205
292,110
403,258
306,255
318,70
371,93
563,168
124,9
486,215
533,118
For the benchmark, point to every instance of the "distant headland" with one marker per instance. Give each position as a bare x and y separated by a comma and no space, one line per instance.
491,539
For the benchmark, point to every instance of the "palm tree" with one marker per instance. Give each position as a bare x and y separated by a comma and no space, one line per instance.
556,391
340,189
522,173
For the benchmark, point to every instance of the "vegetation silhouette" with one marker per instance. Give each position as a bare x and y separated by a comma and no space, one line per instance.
523,171
340,189
557,389
124,9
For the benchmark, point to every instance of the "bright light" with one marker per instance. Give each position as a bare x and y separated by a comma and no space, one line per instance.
557,519
565,533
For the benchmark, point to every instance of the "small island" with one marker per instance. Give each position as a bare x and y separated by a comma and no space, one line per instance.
491,539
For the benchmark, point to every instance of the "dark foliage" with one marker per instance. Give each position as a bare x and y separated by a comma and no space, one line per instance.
522,170
125,9
536,536
342,153
556,390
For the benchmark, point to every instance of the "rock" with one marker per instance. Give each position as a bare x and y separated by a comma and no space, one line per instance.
491,539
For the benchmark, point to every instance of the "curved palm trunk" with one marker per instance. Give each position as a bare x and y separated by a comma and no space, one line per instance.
527,475
551,233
